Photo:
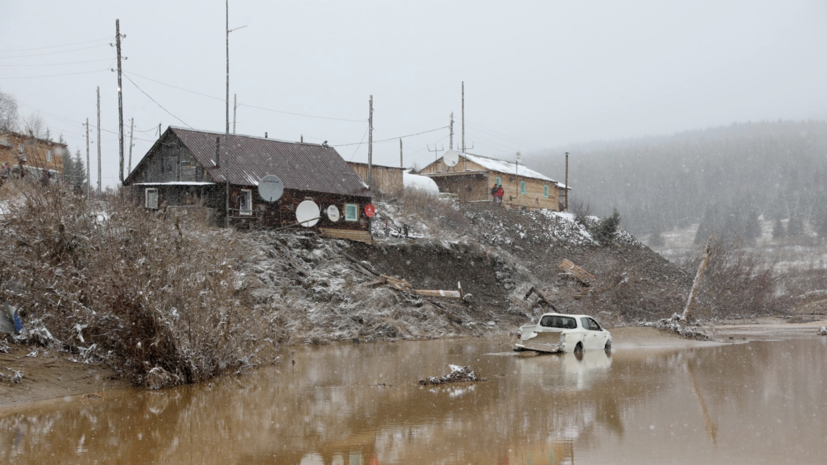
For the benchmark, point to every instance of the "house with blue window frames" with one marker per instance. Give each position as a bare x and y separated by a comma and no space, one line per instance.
472,178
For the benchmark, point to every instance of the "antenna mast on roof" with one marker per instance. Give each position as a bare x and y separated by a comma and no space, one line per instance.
451,140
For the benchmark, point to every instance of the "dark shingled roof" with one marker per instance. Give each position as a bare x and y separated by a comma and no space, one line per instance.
300,166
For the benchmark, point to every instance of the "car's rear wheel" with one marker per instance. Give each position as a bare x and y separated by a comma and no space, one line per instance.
578,349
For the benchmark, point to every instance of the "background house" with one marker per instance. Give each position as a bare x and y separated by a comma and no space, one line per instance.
386,179
30,155
188,169
472,178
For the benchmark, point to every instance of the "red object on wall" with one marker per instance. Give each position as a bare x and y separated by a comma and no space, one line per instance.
370,210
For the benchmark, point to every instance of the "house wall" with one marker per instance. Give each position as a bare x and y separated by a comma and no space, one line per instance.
34,152
469,187
386,179
169,161
283,211
264,215
467,181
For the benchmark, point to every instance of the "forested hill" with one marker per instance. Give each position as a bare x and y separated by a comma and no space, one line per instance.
776,169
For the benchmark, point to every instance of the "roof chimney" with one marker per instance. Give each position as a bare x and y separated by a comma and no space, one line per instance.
265,135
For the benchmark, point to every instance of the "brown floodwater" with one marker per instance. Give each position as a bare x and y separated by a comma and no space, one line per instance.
762,402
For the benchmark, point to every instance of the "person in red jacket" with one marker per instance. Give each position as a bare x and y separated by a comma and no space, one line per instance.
497,192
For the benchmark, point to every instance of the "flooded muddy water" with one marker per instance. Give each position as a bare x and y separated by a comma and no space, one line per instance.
762,402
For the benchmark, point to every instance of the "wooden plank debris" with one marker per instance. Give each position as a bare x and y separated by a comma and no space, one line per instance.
582,275
542,296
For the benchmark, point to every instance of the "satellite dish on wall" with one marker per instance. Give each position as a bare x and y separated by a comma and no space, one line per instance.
333,213
451,157
270,188
307,214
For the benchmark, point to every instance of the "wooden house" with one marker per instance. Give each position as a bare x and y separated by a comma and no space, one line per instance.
473,177
186,168
28,155
387,180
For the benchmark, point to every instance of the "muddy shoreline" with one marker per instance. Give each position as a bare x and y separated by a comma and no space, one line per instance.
49,375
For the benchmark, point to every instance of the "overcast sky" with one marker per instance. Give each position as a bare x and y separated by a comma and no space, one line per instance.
537,74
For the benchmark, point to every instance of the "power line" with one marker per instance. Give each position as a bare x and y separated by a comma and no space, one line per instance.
55,46
395,138
244,104
56,75
156,103
360,143
64,64
55,53
506,137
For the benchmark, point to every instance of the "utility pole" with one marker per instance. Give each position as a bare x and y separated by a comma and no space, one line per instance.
517,175
120,99
131,129
227,128
227,132
235,107
463,116
88,174
566,189
401,165
451,140
370,145
99,140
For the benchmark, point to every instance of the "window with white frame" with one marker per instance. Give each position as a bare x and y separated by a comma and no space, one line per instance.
245,206
351,212
151,197
49,156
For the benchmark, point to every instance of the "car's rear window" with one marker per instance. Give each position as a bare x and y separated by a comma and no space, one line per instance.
555,321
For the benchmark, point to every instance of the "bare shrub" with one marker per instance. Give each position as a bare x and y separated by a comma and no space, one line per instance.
735,283
582,209
147,293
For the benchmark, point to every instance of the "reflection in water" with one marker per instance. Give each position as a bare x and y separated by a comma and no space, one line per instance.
345,404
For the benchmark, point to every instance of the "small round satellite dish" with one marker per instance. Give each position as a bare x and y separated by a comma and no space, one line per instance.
451,157
270,188
307,214
333,213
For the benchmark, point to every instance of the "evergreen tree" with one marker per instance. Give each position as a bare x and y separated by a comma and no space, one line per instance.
795,227
752,229
778,231
820,223
605,231
78,171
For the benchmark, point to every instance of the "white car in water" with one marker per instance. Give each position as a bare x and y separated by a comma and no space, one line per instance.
557,333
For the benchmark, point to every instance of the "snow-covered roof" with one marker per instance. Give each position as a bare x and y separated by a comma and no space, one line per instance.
424,183
507,167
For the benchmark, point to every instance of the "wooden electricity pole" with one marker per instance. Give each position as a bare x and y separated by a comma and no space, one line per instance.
99,141
401,165
120,100
463,116
88,174
566,188
370,144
